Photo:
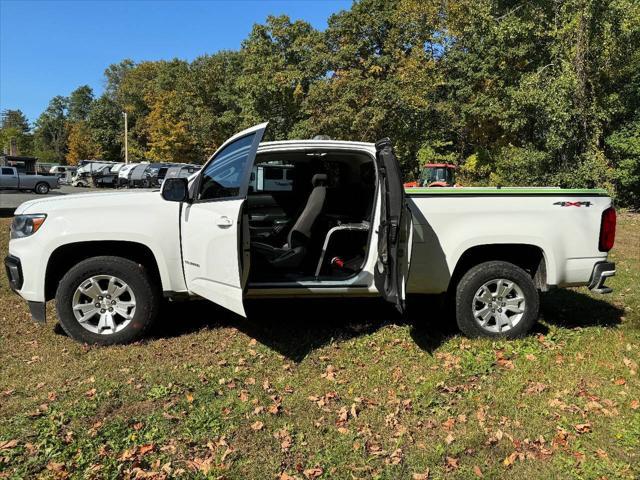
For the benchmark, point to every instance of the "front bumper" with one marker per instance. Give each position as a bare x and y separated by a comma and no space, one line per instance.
13,268
602,271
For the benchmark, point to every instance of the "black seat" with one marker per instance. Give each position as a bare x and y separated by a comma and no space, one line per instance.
294,251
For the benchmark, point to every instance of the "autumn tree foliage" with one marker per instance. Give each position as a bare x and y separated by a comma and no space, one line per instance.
521,93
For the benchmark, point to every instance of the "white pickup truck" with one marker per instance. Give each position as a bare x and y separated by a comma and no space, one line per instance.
347,227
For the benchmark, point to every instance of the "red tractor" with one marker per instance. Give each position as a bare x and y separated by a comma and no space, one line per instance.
436,175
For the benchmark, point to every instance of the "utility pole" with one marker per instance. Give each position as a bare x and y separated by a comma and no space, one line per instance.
126,137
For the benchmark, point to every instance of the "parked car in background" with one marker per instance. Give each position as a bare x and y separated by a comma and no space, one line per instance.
10,179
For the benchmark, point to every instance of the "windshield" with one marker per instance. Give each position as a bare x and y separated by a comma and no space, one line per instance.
434,174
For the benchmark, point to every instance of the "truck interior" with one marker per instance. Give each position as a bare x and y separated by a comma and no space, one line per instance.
309,215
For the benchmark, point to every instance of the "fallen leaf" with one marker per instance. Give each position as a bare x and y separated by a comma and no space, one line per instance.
421,476
449,423
634,404
285,439
477,471
257,425
330,373
343,416
507,462
535,387
90,393
203,465
395,458
312,473
450,439
58,469
583,427
144,449
8,444
452,463
286,476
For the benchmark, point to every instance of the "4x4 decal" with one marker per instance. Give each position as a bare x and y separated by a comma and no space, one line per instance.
574,204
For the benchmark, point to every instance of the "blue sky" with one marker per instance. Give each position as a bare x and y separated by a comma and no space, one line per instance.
49,48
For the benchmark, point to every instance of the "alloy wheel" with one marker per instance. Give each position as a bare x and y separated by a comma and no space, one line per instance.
104,304
498,305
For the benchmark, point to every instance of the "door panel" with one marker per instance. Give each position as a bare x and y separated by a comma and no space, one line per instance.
395,233
214,226
9,178
210,252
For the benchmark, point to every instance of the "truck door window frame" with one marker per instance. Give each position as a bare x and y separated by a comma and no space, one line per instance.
245,176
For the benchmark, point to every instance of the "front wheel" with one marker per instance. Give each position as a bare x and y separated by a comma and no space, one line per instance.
107,300
496,299
42,188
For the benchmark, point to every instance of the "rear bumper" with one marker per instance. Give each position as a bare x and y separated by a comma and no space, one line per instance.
602,271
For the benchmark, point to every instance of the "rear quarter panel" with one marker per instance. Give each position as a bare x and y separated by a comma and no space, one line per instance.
445,226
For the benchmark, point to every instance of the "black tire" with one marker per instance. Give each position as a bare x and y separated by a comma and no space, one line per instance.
147,295
478,276
42,188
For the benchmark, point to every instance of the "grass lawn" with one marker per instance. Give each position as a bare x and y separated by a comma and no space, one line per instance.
330,389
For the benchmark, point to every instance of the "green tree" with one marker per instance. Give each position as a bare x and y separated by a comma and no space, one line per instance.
107,127
279,64
80,102
51,131
14,129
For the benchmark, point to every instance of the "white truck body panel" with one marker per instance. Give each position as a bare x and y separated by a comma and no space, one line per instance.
445,226
140,217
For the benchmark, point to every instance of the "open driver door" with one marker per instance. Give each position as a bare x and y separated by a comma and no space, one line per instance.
395,232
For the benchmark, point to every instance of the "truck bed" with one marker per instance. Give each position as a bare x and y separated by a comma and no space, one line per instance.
564,224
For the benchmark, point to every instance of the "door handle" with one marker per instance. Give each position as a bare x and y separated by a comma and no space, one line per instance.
224,222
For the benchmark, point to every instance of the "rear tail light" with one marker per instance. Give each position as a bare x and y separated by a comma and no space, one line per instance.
607,230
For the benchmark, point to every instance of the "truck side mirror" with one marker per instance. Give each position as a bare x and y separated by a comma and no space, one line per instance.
175,190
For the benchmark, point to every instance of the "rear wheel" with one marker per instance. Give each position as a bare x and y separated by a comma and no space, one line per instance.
107,300
42,188
496,299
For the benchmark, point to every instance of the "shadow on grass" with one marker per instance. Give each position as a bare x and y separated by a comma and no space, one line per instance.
295,327
572,309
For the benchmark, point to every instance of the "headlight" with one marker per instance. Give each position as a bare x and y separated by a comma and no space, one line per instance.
25,225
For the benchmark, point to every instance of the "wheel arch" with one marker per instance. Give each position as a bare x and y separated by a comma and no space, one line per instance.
66,256
531,258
